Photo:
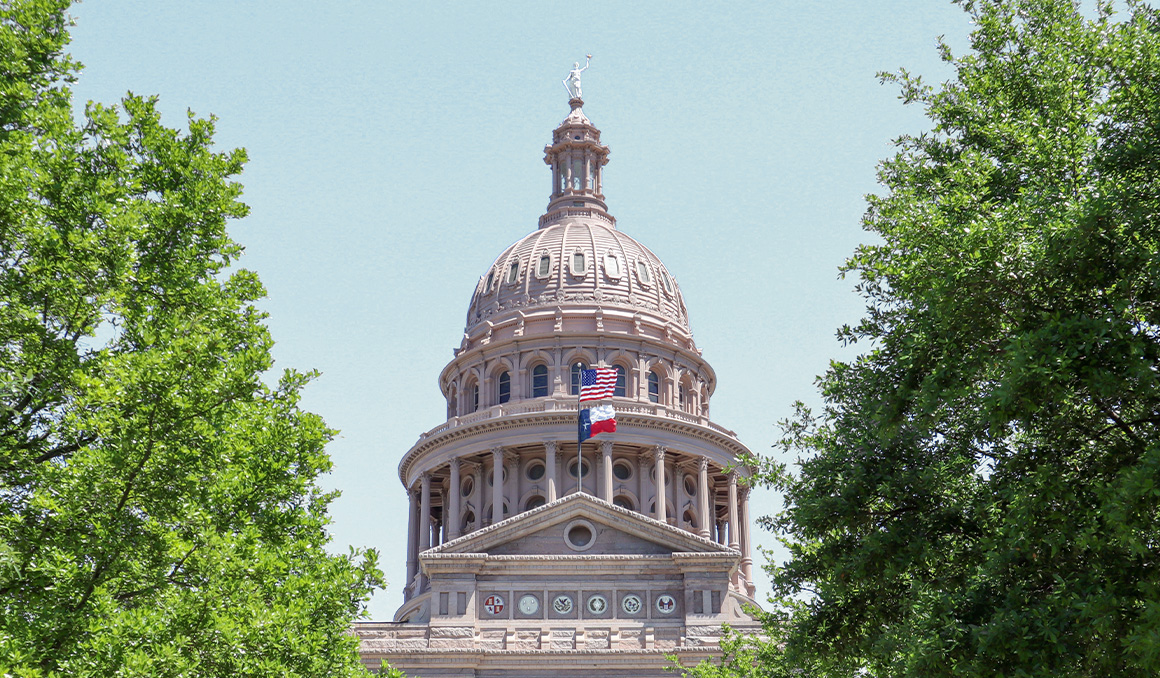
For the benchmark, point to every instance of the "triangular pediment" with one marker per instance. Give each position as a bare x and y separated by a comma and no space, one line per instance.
551,530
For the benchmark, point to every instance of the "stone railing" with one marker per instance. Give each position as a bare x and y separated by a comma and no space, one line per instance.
569,404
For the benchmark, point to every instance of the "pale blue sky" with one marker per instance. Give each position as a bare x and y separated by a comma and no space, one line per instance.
396,149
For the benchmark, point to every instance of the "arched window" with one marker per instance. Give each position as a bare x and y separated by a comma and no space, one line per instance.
619,391
540,381
624,502
505,387
452,403
654,387
690,520
474,397
535,501
683,397
577,368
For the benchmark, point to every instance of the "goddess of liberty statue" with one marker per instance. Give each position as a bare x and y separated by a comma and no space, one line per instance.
572,82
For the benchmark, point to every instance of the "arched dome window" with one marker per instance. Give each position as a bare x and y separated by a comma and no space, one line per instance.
611,266
490,280
620,389
540,381
642,273
505,387
577,368
545,266
579,263
513,272
654,387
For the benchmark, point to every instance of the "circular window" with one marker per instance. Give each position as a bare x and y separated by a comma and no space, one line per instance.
622,470
666,604
597,604
467,486
583,468
562,604
529,604
535,471
690,486
580,535
631,604
535,502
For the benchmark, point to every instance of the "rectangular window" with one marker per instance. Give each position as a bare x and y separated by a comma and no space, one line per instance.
513,272
716,602
443,596
461,603
698,602
545,266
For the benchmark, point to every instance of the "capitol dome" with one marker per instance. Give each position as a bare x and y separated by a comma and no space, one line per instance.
578,263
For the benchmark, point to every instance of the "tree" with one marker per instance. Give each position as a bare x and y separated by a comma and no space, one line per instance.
159,507
980,494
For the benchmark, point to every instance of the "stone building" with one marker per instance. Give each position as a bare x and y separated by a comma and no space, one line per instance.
526,558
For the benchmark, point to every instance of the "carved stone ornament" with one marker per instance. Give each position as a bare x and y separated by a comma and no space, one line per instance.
562,604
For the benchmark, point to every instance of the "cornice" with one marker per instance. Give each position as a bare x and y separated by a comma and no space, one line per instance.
454,432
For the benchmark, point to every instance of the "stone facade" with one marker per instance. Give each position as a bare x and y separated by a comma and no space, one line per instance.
529,556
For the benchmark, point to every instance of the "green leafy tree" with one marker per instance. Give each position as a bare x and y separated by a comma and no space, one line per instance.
159,507
980,495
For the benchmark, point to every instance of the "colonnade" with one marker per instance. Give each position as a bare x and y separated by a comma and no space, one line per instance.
721,519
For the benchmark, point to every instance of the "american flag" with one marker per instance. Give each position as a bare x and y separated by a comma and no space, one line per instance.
598,383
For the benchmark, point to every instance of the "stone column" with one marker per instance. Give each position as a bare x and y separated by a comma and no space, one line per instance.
477,495
497,493
452,517
424,512
661,494
412,542
733,543
606,471
511,461
550,468
703,495
424,520
642,462
746,560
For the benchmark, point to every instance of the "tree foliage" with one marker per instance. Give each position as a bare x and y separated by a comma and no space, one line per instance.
159,512
980,495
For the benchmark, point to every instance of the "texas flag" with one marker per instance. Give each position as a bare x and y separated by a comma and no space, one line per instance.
599,419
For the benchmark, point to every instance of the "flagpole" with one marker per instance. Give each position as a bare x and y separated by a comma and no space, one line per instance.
579,440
